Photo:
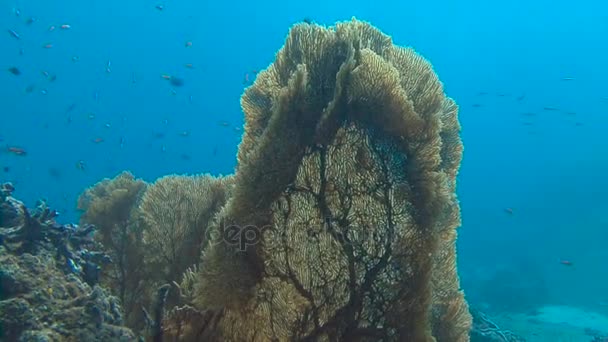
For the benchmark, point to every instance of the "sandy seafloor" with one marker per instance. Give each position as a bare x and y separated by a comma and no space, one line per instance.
555,324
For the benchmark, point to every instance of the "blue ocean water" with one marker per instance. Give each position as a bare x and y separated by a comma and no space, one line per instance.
530,77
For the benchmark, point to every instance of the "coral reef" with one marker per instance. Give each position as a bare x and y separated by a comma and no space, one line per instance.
176,211
154,232
48,275
341,223
338,225
110,206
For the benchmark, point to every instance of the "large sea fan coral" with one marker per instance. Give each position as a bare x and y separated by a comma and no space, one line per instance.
111,205
176,211
344,203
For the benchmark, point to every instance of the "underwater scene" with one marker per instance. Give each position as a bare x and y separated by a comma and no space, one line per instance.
304,171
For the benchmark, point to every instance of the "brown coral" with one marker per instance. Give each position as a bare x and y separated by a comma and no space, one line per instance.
343,198
176,211
111,205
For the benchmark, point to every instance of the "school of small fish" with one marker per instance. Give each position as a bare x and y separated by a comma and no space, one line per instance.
174,80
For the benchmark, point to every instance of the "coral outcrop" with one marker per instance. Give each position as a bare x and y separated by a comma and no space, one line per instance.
110,206
155,233
176,211
341,223
48,279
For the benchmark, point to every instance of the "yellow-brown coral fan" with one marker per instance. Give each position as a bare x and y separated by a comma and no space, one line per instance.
111,205
176,211
342,219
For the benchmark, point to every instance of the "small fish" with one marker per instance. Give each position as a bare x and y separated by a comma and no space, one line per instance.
550,108
567,78
48,46
91,116
73,266
108,67
16,12
70,108
80,165
224,123
476,105
160,7
189,65
30,88
65,27
566,263
159,135
521,97
6,169
52,78
185,156
509,211
75,59
43,91
15,71
184,134
18,151
188,44
14,34
51,28
165,77
98,140
122,142
578,124
246,78
308,21
176,81
30,21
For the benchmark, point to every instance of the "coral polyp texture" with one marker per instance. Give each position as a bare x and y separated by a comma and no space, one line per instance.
341,224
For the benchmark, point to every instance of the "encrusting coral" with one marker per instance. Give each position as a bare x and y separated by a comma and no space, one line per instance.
48,271
341,222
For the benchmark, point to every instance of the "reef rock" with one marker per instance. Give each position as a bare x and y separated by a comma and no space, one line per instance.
48,288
